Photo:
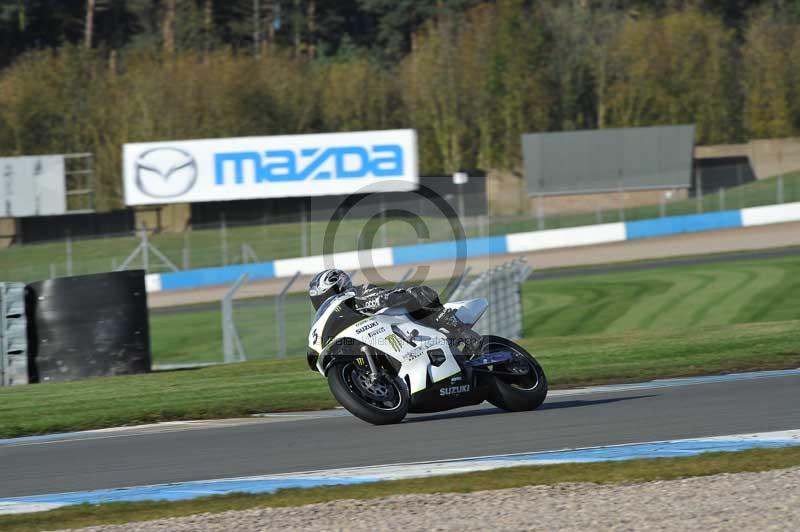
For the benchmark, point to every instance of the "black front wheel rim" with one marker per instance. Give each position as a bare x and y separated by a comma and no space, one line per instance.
382,393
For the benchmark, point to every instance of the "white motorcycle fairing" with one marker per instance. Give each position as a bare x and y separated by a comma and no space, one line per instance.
423,354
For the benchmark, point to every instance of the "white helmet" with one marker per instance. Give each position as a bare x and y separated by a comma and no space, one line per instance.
326,284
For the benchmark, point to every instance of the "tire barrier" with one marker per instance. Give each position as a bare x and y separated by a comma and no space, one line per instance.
88,326
13,335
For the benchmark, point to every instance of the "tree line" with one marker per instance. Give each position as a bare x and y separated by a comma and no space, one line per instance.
469,76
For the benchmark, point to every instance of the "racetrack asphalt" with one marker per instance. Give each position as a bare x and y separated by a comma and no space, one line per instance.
175,452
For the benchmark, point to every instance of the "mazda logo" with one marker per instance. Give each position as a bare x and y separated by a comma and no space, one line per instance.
165,172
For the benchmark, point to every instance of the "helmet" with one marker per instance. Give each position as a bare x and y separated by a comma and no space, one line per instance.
326,284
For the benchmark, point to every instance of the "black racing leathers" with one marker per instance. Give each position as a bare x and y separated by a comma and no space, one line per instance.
422,302
370,298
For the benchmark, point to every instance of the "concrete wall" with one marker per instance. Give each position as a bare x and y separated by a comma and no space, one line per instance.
508,195
768,157
580,203
172,218
8,230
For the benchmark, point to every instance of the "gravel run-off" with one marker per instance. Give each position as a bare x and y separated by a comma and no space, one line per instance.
754,501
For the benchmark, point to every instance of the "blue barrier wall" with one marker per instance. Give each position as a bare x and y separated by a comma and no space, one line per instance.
476,247
674,225
471,247
214,276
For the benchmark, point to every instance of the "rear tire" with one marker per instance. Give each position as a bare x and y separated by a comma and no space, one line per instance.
342,382
516,394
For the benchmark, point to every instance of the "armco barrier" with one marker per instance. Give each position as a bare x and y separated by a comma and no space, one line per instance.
476,247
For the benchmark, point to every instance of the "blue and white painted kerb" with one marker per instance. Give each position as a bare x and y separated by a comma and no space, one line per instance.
363,475
477,247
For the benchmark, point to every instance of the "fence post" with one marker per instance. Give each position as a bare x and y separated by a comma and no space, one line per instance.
384,236
280,319
186,252
303,230
223,235
145,249
721,195
231,344
540,222
780,189
69,253
404,278
698,191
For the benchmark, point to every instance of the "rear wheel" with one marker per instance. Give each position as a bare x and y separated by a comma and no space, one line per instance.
521,384
380,401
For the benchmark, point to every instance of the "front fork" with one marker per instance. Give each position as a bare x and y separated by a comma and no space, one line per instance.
370,356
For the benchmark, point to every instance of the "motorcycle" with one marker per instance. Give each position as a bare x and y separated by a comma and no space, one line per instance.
383,366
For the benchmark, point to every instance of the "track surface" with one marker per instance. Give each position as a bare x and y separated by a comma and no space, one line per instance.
282,444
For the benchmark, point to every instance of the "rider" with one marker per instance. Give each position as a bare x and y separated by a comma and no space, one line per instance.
421,301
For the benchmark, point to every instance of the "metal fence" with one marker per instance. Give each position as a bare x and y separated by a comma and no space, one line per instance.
502,287
227,243
266,327
274,327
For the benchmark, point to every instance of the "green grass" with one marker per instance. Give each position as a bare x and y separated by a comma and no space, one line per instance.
204,247
664,298
660,469
285,385
664,322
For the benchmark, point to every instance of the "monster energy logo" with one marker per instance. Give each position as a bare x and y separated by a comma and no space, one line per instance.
394,341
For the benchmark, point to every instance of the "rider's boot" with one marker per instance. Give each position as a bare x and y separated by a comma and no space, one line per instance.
447,320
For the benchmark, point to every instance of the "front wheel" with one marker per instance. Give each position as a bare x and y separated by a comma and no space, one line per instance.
381,401
520,384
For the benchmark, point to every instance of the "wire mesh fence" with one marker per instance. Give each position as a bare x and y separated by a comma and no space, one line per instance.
274,327
228,243
502,287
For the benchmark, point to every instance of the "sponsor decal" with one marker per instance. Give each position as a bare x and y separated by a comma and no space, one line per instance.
314,337
346,162
365,328
452,390
269,167
376,332
413,355
394,341
165,172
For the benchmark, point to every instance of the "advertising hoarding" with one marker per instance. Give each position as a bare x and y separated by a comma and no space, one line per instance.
270,167
32,186
606,160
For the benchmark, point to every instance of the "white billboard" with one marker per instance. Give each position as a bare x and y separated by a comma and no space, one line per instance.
32,186
270,167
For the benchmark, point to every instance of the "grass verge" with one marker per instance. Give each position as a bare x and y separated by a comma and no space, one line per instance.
689,297
288,385
599,473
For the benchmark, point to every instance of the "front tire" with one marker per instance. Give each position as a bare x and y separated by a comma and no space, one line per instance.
521,393
383,402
